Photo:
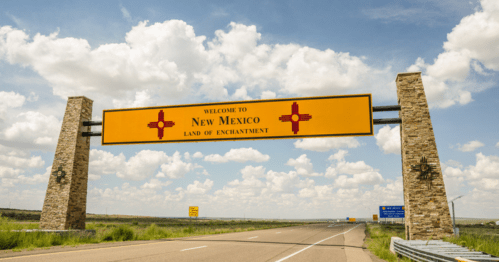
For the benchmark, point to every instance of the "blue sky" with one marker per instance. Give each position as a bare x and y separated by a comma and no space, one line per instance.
153,53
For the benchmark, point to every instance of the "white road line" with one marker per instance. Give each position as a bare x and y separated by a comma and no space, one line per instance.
282,259
192,248
278,233
252,237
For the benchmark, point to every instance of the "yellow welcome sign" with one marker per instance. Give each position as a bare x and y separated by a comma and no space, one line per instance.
193,211
323,116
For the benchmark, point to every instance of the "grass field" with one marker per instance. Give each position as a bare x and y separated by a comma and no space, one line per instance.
483,238
119,228
378,239
479,237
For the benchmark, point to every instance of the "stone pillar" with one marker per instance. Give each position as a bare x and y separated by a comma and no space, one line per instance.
66,198
426,208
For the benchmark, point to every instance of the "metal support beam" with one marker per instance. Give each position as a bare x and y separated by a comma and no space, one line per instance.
91,134
386,108
387,121
92,123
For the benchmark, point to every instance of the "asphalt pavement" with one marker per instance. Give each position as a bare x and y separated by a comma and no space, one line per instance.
318,242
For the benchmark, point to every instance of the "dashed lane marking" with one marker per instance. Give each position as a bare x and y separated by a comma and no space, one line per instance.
252,237
299,251
192,248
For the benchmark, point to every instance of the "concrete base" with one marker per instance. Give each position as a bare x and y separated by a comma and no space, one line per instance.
392,248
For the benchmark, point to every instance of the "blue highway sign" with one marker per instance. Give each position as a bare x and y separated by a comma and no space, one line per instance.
391,212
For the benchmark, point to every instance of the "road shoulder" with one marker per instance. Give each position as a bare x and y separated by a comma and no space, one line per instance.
354,245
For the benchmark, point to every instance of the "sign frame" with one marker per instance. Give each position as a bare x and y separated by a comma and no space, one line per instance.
292,136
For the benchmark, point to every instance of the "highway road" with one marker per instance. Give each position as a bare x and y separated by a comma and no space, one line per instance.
318,242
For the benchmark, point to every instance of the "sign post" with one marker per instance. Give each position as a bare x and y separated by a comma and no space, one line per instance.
375,217
321,116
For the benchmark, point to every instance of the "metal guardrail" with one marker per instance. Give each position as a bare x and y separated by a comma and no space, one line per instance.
438,250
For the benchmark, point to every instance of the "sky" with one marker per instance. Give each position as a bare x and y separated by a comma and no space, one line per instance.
126,54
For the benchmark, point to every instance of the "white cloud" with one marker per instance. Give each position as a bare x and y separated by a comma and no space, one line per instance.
125,13
478,33
452,172
122,70
340,155
473,40
268,95
368,178
33,97
486,167
484,175
281,181
93,177
155,184
197,155
479,69
34,129
497,145
168,61
251,171
8,172
470,146
326,144
391,194
142,165
126,197
198,188
104,163
11,176
453,163
362,174
238,155
317,192
486,184
241,94
20,162
9,100
303,166
388,139
176,168
14,151
15,163
35,179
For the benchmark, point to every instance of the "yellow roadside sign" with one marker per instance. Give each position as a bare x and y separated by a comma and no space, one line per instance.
351,219
322,116
375,217
193,211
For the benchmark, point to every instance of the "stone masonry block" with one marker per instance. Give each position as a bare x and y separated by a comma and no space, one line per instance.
66,198
426,209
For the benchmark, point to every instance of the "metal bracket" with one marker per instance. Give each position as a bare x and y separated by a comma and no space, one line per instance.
386,108
92,123
91,134
387,121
